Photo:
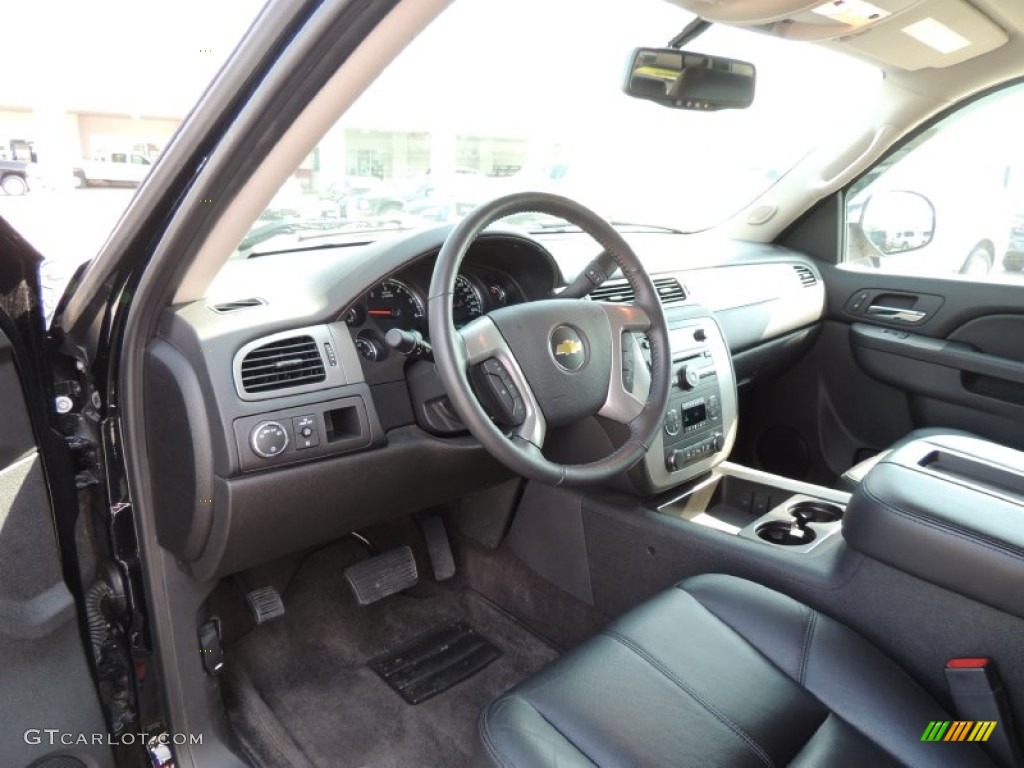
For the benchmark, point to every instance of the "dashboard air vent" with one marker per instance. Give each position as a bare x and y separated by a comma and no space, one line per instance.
235,306
670,291
284,363
806,276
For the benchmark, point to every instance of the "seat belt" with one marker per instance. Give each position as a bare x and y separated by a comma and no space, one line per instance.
981,704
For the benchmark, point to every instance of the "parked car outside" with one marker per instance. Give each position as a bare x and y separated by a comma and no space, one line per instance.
14,176
117,169
1013,260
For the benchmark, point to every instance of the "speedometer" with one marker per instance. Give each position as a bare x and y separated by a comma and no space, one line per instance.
467,303
393,304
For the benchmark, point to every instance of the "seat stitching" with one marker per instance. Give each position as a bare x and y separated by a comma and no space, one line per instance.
812,620
972,537
489,744
559,731
696,696
492,746
831,712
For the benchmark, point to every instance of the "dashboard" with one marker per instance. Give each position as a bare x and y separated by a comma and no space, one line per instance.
286,421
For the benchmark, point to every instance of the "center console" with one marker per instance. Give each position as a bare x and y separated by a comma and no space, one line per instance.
757,506
948,509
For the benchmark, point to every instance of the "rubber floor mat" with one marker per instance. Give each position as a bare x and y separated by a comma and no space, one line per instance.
435,662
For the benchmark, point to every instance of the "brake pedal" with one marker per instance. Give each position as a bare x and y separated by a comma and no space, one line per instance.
383,575
265,604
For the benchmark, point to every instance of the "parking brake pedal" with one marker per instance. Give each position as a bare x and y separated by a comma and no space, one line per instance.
382,575
265,604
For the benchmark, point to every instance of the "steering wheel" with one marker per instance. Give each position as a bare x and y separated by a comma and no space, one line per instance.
549,363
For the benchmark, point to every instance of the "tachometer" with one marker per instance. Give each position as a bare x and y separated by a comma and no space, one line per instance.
467,303
393,304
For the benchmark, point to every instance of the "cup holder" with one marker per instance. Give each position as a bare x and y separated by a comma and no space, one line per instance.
785,534
816,511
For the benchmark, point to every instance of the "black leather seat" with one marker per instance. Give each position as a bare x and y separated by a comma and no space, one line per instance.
720,672
852,477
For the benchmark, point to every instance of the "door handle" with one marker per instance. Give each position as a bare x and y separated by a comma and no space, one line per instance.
898,314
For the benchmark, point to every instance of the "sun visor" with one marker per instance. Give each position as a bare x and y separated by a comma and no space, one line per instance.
936,34
908,34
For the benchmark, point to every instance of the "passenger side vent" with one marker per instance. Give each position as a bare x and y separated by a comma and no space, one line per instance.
806,276
235,306
284,363
670,291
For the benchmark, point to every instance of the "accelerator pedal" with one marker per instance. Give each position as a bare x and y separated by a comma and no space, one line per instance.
383,575
440,551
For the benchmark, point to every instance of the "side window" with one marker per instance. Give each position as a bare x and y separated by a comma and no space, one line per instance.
118,157
950,203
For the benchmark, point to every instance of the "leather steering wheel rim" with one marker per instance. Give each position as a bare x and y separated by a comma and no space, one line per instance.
455,351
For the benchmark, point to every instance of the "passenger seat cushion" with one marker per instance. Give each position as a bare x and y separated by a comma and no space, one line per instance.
719,671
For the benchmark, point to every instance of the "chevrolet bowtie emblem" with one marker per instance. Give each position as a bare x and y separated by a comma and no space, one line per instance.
568,347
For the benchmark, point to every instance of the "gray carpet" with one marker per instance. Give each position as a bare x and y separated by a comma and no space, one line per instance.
299,691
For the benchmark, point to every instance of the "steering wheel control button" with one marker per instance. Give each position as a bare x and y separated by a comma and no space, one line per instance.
567,348
499,393
306,433
268,439
673,422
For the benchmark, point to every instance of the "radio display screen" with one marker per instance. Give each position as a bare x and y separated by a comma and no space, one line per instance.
694,415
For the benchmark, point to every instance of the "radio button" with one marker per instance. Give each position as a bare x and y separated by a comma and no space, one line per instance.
673,422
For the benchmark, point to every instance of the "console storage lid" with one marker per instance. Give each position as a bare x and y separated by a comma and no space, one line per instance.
948,509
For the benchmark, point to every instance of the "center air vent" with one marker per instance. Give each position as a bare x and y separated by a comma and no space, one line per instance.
670,291
806,276
281,364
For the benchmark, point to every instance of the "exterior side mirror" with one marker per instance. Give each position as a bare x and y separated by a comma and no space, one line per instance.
897,221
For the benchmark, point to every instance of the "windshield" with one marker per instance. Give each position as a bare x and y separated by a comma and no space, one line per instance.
502,96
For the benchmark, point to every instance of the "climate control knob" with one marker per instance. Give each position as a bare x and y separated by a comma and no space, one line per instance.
268,439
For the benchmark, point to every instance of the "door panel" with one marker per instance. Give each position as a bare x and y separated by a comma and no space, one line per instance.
45,679
872,378
44,675
961,366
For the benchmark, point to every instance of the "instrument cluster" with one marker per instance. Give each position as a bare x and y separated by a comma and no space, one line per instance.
401,302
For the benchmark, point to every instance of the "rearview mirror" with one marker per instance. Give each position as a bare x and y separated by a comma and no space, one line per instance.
897,221
684,80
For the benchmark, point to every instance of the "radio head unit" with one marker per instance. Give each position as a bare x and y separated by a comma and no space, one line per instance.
699,427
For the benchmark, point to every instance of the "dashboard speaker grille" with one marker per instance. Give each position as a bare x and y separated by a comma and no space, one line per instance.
669,289
281,364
